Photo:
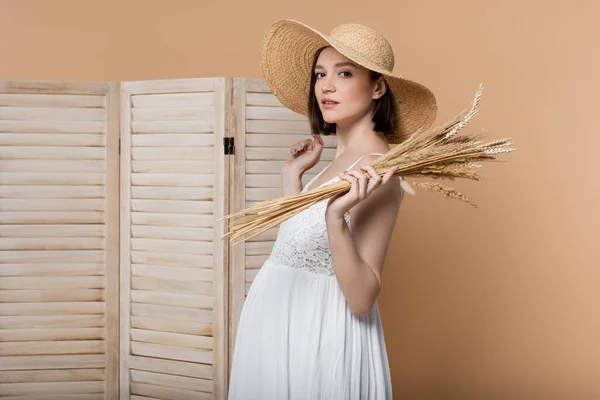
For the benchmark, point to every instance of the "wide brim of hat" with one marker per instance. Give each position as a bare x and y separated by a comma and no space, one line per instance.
286,60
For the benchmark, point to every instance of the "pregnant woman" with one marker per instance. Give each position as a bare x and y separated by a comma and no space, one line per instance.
310,327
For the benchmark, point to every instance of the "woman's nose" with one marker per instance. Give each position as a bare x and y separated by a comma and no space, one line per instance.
327,85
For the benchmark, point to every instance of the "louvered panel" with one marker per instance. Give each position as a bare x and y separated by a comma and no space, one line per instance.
264,130
174,292
59,169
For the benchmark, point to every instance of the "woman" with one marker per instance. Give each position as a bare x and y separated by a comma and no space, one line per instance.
310,326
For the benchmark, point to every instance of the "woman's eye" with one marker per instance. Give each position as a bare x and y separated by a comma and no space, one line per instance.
317,74
346,72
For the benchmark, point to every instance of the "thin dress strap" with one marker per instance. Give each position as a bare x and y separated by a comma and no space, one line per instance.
350,167
314,178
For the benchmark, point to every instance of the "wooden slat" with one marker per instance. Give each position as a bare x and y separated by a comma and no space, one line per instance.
52,153
168,393
52,165
170,86
52,321
172,339
52,205
62,230
174,273
57,308
173,206
28,335
33,113
50,269
79,396
172,381
171,167
51,282
44,178
273,113
172,325
52,100
179,180
278,127
169,232
172,286
256,261
52,126
57,88
255,85
195,126
172,193
53,192
51,362
48,243
164,100
51,347
171,246
51,388
172,153
58,375
185,313
171,298
263,194
52,217
51,295
259,248
161,113
270,234
173,139
262,99
174,259
171,352
181,368
52,139
54,256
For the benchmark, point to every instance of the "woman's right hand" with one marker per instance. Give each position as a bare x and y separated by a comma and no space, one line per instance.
305,154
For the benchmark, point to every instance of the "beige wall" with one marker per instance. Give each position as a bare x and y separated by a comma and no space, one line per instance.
496,300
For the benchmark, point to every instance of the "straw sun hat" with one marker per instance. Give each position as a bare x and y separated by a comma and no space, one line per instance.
286,60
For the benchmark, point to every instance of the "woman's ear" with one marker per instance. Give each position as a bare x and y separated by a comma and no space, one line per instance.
380,88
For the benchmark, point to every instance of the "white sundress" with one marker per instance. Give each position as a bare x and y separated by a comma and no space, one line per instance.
297,338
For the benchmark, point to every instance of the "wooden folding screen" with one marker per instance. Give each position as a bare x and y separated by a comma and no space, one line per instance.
173,277
114,282
59,216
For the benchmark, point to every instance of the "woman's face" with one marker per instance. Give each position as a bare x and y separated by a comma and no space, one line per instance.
344,82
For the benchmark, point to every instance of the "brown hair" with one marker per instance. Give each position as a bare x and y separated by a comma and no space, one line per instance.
385,116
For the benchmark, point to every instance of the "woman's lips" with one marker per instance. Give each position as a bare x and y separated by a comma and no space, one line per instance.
329,105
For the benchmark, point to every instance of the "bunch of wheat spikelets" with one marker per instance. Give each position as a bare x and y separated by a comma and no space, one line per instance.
438,153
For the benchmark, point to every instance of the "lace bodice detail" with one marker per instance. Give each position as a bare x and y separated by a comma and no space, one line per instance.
302,241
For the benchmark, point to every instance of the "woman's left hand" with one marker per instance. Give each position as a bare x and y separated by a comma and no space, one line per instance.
362,187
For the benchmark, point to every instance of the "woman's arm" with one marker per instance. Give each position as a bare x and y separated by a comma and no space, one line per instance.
291,181
358,255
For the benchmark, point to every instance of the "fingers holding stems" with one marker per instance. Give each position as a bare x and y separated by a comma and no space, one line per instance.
362,185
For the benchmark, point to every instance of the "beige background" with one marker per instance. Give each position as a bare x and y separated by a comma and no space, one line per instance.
496,302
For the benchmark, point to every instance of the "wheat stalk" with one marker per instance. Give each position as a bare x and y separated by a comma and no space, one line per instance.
438,153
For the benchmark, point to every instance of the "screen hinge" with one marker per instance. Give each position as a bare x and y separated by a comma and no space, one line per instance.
229,145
